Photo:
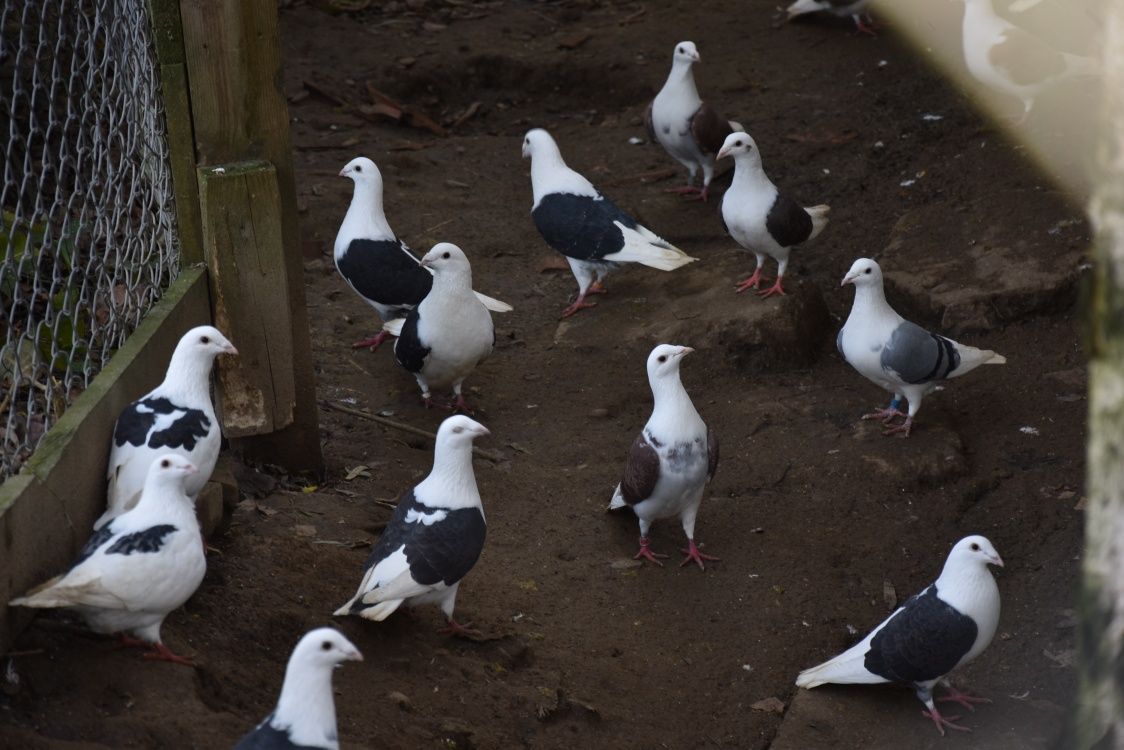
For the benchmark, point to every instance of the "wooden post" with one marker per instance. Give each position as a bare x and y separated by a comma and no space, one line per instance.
1099,722
233,59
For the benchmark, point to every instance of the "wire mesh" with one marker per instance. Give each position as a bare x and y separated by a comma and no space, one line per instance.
87,225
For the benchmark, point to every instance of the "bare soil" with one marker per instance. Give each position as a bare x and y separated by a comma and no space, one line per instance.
821,523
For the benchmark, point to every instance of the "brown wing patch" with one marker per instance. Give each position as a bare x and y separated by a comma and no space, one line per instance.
641,471
1025,59
709,128
712,452
648,121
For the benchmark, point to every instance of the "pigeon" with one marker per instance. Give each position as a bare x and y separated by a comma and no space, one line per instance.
1013,61
137,567
376,264
433,539
687,127
445,337
944,627
305,716
671,460
759,217
176,416
842,8
585,226
900,356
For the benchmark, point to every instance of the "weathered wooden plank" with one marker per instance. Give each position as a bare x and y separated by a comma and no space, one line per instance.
46,511
249,290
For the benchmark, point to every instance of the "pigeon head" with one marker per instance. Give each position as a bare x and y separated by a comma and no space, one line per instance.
741,147
324,648
864,272
448,260
362,171
685,52
538,142
974,550
664,360
459,430
206,342
170,469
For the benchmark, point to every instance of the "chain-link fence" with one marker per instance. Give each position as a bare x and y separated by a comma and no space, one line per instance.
87,226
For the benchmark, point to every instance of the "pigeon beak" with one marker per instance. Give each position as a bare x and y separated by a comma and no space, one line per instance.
695,57
685,350
482,431
723,153
343,172
849,278
229,349
997,560
190,469
354,655
425,263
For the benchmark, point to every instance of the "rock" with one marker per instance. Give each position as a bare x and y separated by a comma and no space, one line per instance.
772,705
932,455
400,700
965,271
305,530
209,508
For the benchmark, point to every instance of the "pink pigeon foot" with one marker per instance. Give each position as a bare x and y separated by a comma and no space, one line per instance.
596,288
463,406
689,191
372,342
579,304
160,652
776,288
125,641
967,700
694,555
943,721
436,403
752,282
459,630
901,430
886,416
646,552
867,27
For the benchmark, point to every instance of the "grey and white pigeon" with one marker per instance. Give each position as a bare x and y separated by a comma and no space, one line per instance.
671,460
856,9
900,356
585,226
759,217
944,627
176,416
139,566
433,539
305,716
1013,61
688,128
374,262
449,333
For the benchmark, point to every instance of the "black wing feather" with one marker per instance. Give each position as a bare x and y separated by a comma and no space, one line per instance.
922,642
580,226
788,222
384,271
408,348
641,471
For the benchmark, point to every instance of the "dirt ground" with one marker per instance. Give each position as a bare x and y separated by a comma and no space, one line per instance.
821,523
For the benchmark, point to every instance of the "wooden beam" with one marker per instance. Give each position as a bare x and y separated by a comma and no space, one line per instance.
242,239
233,56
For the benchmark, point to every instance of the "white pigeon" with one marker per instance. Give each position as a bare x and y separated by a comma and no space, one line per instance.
177,416
1013,61
305,715
139,566
759,217
944,627
445,337
671,460
376,264
900,356
433,539
688,128
841,8
585,226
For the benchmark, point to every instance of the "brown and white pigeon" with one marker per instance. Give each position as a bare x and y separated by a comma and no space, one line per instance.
841,8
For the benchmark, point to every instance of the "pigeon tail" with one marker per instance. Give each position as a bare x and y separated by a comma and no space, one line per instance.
394,327
379,612
800,7
1079,66
848,668
618,500
819,218
644,247
494,305
971,358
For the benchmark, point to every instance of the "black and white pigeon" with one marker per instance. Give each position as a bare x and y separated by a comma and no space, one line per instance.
305,716
671,460
688,128
759,217
376,264
856,9
433,539
1013,61
944,627
900,356
444,338
585,226
139,566
177,416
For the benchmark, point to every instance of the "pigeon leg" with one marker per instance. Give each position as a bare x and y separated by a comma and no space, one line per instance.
776,288
460,404
967,700
689,191
125,641
579,304
901,430
160,652
460,630
647,553
886,416
372,342
434,403
943,721
866,26
597,288
694,555
751,282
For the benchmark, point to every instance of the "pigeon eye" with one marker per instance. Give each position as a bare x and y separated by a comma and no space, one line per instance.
165,464
867,271
681,50
326,646
358,168
663,358
975,547
446,256
458,430
206,339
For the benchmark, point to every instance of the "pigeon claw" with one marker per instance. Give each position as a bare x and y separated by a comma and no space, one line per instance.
372,342
463,406
436,403
459,630
751,282
944,721
160,652
776,288
967,700
693,554
901,430
596,288
579,304
690,191
886,416
646,553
